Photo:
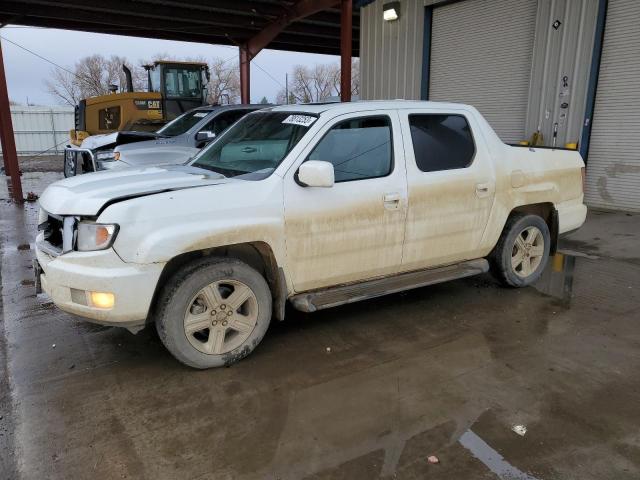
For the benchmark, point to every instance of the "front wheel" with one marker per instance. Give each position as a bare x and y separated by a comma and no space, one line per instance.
522,251
214,312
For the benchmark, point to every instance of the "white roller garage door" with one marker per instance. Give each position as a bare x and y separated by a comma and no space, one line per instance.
613,163
481,52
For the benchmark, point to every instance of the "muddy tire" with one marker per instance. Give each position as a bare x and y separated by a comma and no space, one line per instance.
213,312
522,250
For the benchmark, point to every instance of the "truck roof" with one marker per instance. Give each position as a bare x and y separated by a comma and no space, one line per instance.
364,105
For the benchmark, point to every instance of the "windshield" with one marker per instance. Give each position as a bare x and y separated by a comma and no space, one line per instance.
183,123
183,82
255,146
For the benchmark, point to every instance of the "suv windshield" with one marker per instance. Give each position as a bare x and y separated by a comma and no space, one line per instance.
254,146
183,123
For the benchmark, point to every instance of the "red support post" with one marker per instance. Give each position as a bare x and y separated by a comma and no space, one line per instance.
9,153
245,74
346,46
300,9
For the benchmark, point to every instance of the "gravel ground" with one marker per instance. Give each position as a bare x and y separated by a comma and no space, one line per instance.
40,163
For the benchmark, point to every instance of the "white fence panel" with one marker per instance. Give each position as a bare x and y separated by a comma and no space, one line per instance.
40,129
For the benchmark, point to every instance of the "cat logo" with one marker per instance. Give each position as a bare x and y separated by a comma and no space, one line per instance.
148,104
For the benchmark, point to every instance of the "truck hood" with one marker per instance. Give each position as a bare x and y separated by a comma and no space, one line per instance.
87,195
116,138
147,144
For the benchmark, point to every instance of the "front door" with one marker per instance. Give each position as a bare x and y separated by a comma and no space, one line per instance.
355,229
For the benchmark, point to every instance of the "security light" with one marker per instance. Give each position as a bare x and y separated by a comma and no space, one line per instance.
391,11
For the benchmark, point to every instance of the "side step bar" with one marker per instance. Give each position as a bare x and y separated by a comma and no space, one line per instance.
334,296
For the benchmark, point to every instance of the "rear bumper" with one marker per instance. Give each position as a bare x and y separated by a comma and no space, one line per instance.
571,215
69,278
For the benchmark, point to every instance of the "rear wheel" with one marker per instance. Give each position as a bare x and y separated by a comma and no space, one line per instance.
522,251
214,313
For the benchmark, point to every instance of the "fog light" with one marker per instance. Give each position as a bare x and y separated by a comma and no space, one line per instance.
102,299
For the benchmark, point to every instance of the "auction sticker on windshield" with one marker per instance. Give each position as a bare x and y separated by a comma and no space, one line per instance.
200,114
304,120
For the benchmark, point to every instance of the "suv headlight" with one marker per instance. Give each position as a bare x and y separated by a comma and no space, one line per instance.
95,236
107,155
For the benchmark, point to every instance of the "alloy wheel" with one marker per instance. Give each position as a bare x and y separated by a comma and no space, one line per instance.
221,316
528,252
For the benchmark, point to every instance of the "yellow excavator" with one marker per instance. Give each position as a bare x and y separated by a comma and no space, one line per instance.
173,88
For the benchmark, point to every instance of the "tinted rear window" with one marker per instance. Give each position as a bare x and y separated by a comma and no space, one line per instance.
441,142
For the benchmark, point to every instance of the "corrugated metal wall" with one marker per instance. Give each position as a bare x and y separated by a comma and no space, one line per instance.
481,53
488,35
613,163
563,48
391,52
41,128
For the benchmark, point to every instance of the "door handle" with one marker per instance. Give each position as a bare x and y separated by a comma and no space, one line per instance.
391,201
483,189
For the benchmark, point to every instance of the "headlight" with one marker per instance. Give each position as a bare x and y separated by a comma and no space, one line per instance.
107,155
95,236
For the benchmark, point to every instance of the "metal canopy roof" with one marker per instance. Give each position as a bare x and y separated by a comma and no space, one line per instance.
224,22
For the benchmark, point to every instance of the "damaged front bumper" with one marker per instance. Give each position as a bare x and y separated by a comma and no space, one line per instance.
70,278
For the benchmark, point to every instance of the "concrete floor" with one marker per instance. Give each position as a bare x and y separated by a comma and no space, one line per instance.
446,370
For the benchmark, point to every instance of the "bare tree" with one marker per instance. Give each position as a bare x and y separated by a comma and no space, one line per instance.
64,86
91,76
224,84
318,83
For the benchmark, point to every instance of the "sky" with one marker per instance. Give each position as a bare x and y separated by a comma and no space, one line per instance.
27,73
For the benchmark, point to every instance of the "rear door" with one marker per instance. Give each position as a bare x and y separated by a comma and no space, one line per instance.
355,229
451,187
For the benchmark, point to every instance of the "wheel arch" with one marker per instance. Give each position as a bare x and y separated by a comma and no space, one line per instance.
548,212
258,255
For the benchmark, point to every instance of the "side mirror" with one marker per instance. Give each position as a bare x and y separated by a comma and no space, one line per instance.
315,173
205,136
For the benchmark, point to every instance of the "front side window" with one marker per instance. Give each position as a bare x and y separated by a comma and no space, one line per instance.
182,82
441,142
183,123
223,121
254,147
358,148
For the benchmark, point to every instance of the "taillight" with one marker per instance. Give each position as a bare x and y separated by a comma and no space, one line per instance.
583,170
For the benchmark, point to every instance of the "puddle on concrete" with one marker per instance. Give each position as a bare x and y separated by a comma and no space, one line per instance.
491,458
557,278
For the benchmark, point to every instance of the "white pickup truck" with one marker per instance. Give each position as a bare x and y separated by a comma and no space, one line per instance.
318,205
